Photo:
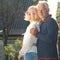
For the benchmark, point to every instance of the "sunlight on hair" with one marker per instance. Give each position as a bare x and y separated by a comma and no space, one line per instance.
45,3
53,4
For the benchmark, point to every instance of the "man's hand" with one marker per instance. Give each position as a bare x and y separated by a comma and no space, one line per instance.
20,57
34,31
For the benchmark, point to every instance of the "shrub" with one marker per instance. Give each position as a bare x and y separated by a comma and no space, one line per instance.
12,50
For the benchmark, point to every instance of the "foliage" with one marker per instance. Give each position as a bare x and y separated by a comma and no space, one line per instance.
58,18
18,44
37,1
13,50
58,11
10,51
10,10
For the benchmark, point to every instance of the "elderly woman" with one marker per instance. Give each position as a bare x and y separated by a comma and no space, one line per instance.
29,48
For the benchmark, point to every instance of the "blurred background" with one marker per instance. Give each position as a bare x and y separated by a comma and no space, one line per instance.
12,26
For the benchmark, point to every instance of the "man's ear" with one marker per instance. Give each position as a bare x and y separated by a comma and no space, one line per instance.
48,10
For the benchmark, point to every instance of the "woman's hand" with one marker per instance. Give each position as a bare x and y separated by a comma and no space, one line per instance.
20,57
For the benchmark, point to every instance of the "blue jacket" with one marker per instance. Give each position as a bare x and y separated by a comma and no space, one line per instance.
47,39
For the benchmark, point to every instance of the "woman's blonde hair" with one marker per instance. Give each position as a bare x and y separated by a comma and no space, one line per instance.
34,7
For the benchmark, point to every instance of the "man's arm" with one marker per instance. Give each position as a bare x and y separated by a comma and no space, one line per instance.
52,32
34,31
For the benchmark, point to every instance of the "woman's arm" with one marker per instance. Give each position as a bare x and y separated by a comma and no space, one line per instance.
28,41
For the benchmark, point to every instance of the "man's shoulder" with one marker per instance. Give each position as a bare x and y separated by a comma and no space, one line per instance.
51,20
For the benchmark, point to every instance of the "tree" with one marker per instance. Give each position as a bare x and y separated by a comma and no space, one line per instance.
9,11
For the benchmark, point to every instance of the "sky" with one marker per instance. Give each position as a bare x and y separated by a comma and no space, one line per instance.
53,4
59,0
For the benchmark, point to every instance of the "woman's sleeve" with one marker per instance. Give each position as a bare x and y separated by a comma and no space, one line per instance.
27,43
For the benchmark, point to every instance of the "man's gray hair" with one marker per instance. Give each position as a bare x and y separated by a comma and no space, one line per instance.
45,3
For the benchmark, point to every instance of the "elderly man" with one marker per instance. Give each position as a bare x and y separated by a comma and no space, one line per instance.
47,37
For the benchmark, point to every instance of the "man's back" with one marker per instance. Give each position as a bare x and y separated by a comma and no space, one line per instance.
47,39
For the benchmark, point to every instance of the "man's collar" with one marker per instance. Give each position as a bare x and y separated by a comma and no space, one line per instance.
49,16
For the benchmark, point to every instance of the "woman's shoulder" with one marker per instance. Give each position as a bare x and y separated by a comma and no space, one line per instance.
35,25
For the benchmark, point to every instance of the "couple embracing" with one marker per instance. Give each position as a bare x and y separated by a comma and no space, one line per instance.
40,38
